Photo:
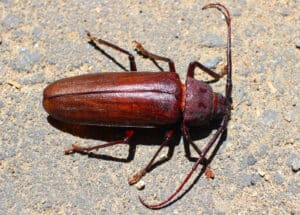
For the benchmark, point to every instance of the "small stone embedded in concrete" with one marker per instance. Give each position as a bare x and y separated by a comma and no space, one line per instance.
296,165
212,40
212,63
140,185
251,160
12,21
297,43
278,179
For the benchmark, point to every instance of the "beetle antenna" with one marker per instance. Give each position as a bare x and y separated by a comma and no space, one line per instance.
226,13
225,119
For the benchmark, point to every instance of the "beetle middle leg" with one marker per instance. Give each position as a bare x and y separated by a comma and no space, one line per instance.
76,148
138,175
100,41
141,50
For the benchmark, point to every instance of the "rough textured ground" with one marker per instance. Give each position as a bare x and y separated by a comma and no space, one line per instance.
257,167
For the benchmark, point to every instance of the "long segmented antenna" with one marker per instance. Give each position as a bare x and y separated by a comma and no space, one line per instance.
225,119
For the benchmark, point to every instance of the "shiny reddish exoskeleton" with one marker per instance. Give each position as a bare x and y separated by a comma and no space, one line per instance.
144,99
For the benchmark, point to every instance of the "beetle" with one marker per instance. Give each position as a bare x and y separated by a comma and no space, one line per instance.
144,99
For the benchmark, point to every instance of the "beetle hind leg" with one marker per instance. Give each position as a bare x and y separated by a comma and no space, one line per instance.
76,148
139,174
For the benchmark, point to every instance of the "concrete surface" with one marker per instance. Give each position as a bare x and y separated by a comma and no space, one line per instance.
257,167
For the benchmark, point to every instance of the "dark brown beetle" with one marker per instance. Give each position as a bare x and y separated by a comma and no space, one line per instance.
144,99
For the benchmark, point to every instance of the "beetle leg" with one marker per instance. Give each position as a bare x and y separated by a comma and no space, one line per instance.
100,41
187,142
141,50
212,142
213,74
76,148
138,175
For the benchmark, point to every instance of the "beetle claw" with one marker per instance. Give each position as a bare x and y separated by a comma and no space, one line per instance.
69,151
136,177
75,148
209,173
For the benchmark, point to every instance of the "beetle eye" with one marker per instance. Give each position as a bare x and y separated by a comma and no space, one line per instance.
220,105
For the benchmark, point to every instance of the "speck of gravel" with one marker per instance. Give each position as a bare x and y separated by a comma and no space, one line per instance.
297,43
251,160
36,78
296,165
269,117
26,60
278,179
248,180
212,40
294,186
12,21
249,32
285,12
37,32
260,69
263,149
212,63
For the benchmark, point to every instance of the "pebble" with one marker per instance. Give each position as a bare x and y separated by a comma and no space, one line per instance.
248,180
263,149
261,172
249,32
294,186
272,162
1,104
212,63
212,40
251,160
140,185
296,165
37,32
36,78
297,43
285,12
269,117
26,60
278,179
236,12
12,21
260,69
293,158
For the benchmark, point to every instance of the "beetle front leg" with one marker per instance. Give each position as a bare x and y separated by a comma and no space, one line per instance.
76,148
142,51
138,175
213,74
187,143
103,42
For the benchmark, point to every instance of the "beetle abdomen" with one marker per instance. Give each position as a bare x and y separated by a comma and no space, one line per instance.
116,99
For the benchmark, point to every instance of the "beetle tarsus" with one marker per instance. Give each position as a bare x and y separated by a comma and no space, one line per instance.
209,173
75,148
136,177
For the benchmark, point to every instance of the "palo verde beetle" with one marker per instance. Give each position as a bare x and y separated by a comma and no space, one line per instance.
144,99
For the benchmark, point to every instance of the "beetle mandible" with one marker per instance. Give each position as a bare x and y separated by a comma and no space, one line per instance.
144,99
